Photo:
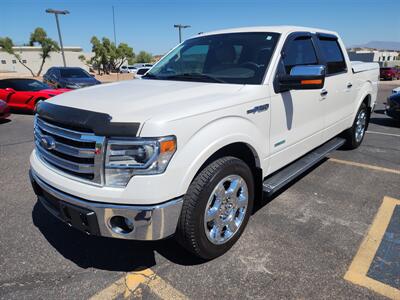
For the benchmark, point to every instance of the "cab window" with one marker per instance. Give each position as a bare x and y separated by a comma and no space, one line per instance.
333,55
299,52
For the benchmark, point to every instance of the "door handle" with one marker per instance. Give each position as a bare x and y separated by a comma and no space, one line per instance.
349,85
324,92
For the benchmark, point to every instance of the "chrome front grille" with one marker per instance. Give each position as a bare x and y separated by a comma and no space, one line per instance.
76,154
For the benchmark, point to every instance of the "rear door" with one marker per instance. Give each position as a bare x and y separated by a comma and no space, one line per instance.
297,116
338,94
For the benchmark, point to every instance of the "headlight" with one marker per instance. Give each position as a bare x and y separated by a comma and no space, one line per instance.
142,156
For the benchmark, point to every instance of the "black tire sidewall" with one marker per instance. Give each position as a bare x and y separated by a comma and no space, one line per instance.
234,166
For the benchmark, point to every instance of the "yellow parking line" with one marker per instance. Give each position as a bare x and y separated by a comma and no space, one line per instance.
130,283
365,166
357,272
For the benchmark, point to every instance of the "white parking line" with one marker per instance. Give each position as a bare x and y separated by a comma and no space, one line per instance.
383,133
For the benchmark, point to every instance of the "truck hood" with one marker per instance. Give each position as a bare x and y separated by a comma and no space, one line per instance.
141,100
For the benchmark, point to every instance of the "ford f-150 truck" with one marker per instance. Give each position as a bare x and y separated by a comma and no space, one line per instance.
221,120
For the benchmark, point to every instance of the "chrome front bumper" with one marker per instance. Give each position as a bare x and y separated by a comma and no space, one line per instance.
149,222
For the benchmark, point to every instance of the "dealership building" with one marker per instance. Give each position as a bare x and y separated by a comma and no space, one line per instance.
384,58
30,55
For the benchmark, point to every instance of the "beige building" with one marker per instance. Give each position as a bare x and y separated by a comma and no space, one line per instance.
384,58
31,57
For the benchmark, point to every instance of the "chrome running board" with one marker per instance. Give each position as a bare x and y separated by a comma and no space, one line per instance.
298,167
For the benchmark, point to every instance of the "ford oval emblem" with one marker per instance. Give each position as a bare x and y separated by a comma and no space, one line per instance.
48,142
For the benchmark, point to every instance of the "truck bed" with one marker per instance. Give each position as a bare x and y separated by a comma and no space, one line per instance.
359,66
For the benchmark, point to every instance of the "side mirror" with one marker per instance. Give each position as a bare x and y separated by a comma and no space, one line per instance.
311,77
10,90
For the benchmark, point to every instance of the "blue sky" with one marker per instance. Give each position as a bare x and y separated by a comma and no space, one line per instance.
148,25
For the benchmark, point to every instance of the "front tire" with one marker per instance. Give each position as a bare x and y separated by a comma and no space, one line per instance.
216,208
355,134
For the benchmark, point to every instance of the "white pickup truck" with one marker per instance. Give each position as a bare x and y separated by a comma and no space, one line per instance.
221,120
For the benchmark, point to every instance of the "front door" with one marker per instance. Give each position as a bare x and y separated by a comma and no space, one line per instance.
297,116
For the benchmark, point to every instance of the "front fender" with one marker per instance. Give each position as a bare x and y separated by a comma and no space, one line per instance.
214,136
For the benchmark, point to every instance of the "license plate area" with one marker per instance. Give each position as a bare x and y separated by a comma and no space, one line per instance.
80,218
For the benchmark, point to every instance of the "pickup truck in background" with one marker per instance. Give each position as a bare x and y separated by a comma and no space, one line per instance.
221,120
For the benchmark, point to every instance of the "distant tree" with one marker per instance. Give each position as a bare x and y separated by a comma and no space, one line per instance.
87,62
7,44
38,38
124,53
47,45
144,57
107,57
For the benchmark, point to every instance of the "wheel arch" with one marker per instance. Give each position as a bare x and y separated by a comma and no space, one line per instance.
230,136
244,152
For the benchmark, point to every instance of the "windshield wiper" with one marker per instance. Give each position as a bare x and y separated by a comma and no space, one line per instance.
195,76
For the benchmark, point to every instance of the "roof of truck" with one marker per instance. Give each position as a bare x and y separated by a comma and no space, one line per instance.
279,29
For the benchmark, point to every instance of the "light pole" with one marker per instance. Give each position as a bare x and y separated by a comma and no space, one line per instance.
56,13
180,27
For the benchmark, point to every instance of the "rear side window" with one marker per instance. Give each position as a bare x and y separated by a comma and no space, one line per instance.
299,52
333,55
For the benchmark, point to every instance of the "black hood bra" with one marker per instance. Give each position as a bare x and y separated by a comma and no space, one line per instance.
80,119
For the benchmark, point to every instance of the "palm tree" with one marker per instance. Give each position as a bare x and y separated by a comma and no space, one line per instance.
39,36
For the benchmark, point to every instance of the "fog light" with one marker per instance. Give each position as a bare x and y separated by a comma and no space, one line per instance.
121,225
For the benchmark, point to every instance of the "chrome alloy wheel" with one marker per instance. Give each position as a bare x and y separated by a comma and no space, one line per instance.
360,125
226,209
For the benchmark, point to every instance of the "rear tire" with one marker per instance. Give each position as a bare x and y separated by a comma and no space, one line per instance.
216,208
355,134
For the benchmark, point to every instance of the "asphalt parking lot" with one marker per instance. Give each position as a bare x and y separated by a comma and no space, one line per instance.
300,244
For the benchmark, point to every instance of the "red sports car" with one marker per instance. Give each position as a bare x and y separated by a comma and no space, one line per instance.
4,110
24,94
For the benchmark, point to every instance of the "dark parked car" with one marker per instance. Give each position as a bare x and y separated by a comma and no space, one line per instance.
71,78
4,110
390,73
393,106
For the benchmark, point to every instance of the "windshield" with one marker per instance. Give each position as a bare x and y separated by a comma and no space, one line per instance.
30,85
226,58
74,73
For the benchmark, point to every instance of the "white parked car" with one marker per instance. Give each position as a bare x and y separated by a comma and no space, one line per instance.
124,69
128,69
222,118
141,72
141,65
